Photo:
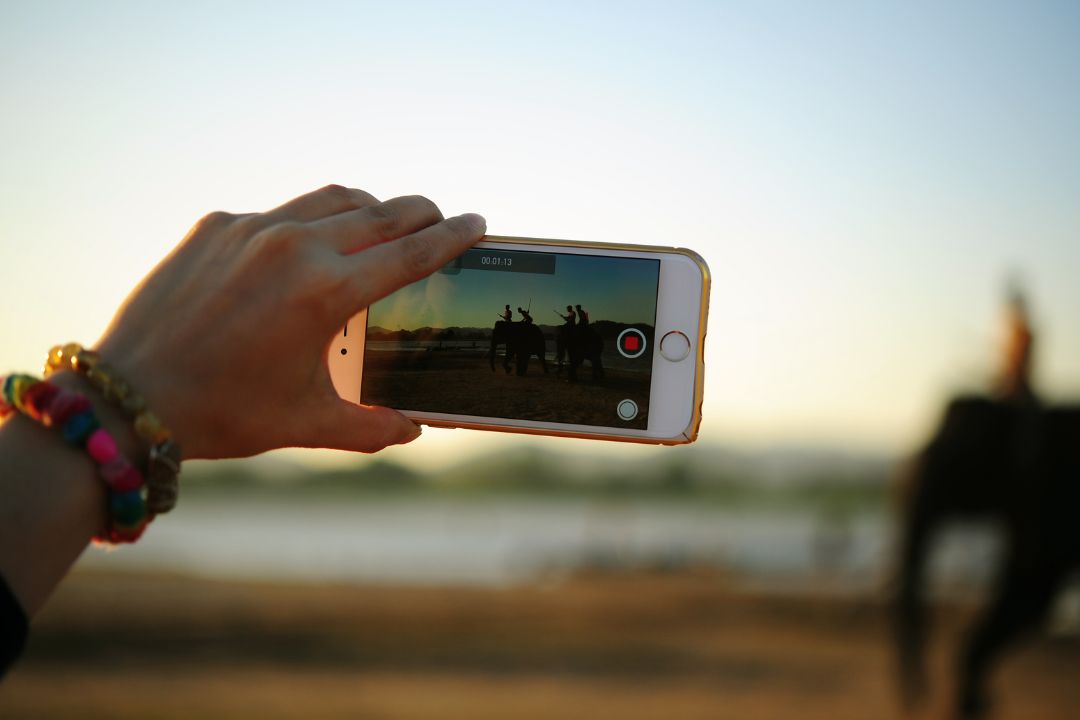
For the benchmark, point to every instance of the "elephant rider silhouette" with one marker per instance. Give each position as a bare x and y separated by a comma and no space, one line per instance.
1014,385
525,316
507,314
569,319
1014,380
583,317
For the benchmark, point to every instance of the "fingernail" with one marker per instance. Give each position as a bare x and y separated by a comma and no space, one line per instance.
412,434
477,221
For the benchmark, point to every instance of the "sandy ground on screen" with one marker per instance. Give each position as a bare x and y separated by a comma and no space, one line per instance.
460,381
617,646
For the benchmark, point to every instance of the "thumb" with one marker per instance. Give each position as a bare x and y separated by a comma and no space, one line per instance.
364,428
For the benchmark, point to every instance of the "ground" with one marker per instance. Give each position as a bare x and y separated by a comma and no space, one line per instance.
684,645
462,382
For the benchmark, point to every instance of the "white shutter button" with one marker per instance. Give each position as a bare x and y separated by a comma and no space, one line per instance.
674,346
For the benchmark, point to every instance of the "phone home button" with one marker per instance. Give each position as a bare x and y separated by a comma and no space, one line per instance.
674,346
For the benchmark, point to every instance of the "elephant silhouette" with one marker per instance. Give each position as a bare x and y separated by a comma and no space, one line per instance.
1017,464
579,343
522,341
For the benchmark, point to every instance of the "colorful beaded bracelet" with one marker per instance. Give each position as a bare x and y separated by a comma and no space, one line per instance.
163,466
72,414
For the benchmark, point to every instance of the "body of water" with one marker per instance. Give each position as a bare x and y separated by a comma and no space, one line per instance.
496,540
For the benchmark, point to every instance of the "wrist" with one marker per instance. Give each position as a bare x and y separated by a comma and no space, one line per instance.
54,501
110,417
156,442
174,405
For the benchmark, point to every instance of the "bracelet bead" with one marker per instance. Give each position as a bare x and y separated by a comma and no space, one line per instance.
117,391
133,404
112,470
101,446
120,475
126,534
99,376
64,405
79,427
130,479
127,508
37,398
18,390
150,429
84,360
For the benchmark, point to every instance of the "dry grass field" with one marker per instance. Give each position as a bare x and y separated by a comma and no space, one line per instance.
628,647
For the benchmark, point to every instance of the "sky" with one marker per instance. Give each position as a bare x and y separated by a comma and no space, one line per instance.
862,178
608,288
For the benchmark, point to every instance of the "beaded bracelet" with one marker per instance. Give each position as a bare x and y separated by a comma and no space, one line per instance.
72,414
163,466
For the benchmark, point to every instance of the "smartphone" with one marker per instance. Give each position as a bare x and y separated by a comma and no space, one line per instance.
550,337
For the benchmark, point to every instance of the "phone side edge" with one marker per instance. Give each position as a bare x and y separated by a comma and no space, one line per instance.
346,371
694,426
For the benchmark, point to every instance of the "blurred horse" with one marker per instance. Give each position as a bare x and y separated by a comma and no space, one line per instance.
1013,462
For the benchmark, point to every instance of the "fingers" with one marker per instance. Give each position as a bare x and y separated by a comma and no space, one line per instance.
322,203
350,232
365,428
382,269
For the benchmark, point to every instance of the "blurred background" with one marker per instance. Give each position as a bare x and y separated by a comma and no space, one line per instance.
864,181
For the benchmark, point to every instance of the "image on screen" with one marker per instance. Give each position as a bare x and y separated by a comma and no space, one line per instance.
549,337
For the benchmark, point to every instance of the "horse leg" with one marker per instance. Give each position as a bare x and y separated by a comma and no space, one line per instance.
909,616
1021,602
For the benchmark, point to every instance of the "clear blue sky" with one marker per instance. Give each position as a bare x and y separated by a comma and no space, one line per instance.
860,176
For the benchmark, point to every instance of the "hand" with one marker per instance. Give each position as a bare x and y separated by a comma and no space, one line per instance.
227,338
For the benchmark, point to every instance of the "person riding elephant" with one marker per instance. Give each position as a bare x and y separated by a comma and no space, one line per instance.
562,339
522,341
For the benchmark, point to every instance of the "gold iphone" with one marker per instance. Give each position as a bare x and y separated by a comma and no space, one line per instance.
549,337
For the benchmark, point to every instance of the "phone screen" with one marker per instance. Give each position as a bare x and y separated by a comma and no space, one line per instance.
543,336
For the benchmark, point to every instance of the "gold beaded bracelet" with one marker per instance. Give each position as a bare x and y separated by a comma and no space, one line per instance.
163,467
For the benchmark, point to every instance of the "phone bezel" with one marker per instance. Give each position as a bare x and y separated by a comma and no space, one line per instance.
676,391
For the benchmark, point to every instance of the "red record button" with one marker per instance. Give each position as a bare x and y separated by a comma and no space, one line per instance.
631,343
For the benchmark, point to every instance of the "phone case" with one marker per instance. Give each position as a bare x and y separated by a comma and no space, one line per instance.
691,432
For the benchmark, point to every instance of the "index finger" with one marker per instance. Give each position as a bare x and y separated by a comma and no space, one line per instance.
381,269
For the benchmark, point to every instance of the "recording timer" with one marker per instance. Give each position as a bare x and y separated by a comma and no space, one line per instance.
537,263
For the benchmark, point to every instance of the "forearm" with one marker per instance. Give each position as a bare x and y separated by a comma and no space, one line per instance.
54,502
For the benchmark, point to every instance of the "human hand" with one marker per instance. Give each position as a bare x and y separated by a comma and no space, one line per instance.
227,338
